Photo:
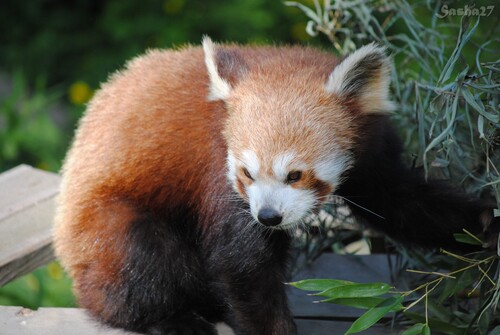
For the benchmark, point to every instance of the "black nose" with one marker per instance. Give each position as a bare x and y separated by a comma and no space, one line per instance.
269,217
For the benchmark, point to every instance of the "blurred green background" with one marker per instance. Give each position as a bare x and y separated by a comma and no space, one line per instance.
54,54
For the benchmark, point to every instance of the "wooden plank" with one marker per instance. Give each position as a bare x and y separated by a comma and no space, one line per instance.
325,327
50,321
74,321
364,269
26,213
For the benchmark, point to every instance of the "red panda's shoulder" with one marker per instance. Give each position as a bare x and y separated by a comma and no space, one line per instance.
150,124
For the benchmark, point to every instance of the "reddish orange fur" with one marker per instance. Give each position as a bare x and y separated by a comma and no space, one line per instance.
145,142
308,181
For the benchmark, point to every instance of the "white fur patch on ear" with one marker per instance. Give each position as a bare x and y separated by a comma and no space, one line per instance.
219,87
364,76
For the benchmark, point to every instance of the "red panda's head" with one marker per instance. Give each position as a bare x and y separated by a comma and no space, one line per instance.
292,121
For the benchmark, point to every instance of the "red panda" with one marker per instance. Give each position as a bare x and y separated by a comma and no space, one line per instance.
190,167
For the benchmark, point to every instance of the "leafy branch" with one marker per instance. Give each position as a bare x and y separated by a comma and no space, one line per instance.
373,296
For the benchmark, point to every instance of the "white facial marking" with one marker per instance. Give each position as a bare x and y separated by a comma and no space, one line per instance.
293,204
331,167
251,162
231,167
284,163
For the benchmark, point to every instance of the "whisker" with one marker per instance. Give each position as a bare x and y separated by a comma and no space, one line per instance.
359,206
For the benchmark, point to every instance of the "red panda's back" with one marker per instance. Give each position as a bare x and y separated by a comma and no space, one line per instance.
138,149
146,129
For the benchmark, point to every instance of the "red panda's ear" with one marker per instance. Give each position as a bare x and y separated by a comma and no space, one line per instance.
225,68
363,76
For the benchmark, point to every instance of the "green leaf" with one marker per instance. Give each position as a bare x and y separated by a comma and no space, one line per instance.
414,330
354,291
319,284
480,126
463,37
307,11
438,311
495,331
374,314
462,280
364,302
440,138
484,321
478,106
426,330
467,239
437,325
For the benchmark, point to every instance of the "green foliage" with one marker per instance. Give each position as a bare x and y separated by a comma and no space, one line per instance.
365,296
429,301
445,81
48,286
28,133
87,40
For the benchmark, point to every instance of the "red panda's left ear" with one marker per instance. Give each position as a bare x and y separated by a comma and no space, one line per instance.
363,76
225,67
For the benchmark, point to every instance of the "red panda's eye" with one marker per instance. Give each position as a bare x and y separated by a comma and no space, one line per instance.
293,177
247,174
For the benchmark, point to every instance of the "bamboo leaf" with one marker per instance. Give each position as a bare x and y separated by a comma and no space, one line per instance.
374,314
495,331
435,324
463,37
307,11
364,303
414,330
354,291
480,126
464,238
440,138
478,107
319,284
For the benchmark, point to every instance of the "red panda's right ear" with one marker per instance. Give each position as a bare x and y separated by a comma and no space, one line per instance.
364,76
225,68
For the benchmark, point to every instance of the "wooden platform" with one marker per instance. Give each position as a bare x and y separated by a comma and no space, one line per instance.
26,212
